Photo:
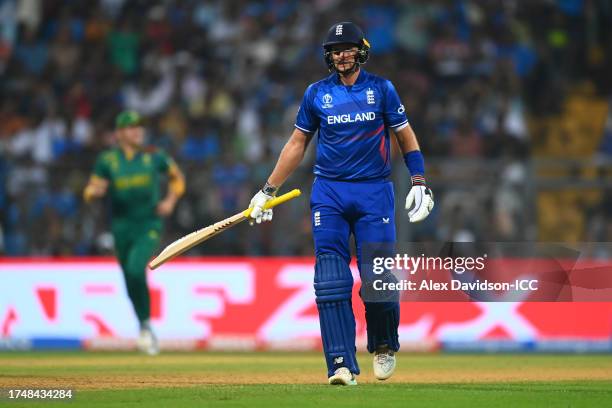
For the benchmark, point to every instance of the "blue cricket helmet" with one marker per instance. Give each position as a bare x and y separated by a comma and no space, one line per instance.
346,32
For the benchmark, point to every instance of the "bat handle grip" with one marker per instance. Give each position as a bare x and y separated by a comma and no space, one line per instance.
276,201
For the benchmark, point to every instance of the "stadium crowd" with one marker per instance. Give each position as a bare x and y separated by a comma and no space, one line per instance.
220,82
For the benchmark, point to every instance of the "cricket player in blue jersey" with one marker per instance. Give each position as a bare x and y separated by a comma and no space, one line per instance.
352,111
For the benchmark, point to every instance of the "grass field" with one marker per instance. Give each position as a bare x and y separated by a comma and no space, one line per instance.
298,379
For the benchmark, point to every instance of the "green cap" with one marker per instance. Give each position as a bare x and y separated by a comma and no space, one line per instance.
127,119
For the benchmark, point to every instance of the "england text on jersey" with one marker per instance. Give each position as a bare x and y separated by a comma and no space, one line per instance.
348,118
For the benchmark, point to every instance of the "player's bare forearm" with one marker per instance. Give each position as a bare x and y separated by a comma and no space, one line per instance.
171,197
407,140
166,206
176,188
176,183
290,158
96,188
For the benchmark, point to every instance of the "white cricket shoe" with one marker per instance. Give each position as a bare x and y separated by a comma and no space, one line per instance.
147,342
384,363
343,376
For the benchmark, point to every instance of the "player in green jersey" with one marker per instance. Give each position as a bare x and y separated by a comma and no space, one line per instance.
130,174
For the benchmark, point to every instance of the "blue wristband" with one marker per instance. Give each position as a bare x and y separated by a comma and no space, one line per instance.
416,165
415,162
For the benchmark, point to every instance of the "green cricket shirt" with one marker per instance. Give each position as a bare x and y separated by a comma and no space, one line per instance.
134,184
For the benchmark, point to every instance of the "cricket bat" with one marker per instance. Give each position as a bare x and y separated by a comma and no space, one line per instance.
197,237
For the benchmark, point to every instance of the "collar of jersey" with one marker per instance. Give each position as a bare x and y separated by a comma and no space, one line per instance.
360,78
126,157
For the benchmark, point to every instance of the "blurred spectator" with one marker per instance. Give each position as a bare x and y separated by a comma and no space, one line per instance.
123,45
31,52
465,141
29,13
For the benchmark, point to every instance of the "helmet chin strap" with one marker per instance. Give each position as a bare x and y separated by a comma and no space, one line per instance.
348,71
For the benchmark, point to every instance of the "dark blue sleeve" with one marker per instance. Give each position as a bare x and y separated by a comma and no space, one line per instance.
394,112
307,120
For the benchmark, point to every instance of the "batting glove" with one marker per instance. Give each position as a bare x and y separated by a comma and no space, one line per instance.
259,200
422,197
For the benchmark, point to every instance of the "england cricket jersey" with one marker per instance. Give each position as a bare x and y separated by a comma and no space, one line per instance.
353,124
